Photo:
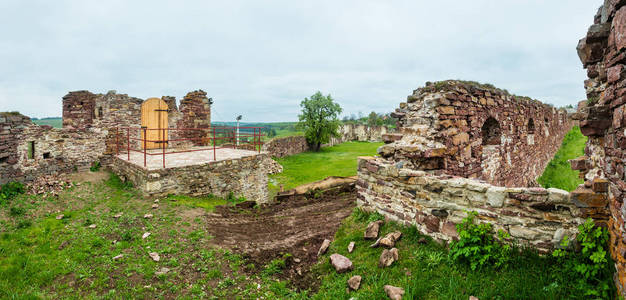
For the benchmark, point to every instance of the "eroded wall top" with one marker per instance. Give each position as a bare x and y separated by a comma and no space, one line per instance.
476,131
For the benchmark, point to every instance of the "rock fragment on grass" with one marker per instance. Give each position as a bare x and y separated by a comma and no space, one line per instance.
350,247
340,263
147,216
155,206
473,298
354,282
117,216
394,292
371,232
118,257
162,271
388,240
323,247
59,217
388,257
155,256
145,235
92,226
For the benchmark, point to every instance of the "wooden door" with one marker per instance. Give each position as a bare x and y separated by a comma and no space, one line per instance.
154,116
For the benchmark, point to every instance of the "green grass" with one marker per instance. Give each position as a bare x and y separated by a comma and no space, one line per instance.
338,160
42,257
558,173
424,271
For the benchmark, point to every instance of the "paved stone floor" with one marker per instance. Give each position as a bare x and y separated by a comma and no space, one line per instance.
174,160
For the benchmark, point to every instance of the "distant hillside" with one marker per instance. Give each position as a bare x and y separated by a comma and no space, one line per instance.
54,122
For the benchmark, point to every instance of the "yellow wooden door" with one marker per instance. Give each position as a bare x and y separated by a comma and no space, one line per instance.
154,118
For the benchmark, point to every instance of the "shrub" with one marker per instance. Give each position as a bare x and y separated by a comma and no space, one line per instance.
95,166
591,267
477,244
10,190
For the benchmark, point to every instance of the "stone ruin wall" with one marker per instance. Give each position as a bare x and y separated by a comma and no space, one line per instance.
603,53
55,150
430,172
533,216
476,131
246,176
285,146
90,123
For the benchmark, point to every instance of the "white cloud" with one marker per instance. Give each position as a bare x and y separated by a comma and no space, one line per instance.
262,58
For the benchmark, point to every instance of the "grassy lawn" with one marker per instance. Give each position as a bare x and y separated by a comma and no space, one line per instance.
424,271
338,160
558,173
44,257
54,122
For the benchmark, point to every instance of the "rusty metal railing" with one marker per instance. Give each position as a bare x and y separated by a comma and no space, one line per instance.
204,139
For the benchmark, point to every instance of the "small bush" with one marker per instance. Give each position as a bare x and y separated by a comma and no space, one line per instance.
477,244
591,267
10,190
95,166
16,211
363,216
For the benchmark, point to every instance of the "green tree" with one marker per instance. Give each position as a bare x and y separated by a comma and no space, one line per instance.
319,119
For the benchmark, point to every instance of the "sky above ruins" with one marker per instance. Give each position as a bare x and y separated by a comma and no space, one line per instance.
261,58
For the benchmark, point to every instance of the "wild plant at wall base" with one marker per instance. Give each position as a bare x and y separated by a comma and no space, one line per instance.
591,267
477,244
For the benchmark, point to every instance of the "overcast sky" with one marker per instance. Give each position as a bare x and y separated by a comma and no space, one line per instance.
261,58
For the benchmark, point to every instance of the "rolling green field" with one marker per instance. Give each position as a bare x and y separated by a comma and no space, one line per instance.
54,122
558,173
338,160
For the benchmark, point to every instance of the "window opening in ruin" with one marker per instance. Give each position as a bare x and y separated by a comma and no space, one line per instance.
46,155
491,132
546,121
99,113
531,126
31,150
4,159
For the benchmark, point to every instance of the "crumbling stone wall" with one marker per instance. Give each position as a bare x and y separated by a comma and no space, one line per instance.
603,54
476,131
33,151
358,132
285,146
246,176
196,113
533,216
463,146
79,109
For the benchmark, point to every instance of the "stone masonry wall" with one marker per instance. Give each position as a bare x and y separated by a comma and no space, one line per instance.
246,176
53,150
436,203
285,146
603,53
196,113
78,109
476,131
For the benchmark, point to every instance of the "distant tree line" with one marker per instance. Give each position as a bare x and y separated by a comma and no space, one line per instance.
372,119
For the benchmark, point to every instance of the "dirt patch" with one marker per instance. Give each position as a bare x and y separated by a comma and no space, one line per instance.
296,225
88,176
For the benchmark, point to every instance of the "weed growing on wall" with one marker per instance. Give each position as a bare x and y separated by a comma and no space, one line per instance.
477,245
591,267
95,166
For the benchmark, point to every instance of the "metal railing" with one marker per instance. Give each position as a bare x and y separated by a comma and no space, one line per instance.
203,139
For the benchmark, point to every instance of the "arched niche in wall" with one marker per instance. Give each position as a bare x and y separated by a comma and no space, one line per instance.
531,126
491,132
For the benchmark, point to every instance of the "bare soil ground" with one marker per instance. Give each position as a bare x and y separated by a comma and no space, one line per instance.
296,225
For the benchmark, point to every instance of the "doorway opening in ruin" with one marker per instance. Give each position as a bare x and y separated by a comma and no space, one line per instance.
31,150
531,126
154,120
491,132
491,158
